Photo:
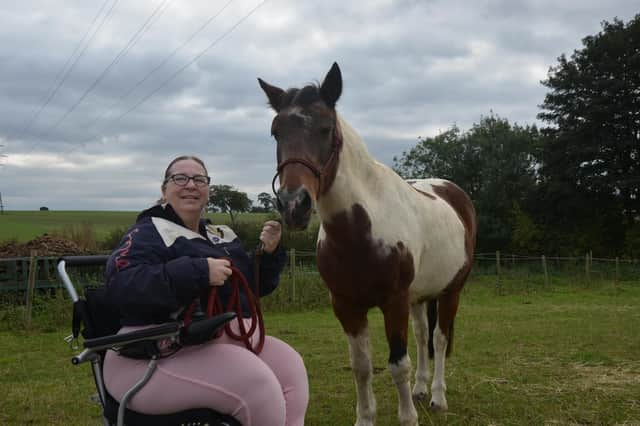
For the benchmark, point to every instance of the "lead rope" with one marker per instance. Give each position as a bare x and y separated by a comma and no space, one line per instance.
214,307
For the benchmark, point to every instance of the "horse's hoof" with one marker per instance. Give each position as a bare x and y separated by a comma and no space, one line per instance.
419,397
437,408
367,421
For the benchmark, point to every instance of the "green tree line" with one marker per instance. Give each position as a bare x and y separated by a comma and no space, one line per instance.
570,187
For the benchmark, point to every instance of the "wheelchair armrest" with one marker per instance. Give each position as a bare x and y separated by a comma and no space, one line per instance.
195,333
201,331
162,331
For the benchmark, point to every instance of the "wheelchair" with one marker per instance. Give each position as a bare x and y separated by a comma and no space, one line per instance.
98,322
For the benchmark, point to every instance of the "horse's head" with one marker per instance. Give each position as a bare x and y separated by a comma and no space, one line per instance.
308,144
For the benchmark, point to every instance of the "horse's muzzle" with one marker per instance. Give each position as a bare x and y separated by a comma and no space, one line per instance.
295,208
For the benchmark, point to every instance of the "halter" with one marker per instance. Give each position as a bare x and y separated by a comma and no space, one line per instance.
319,173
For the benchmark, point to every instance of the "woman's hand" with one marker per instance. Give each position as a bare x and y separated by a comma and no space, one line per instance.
270,235
219,270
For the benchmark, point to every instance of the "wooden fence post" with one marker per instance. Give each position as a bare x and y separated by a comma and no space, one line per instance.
546,274
587,268
31,286
498,271
292,267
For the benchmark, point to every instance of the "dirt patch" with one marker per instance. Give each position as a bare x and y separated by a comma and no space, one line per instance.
602,376
44,245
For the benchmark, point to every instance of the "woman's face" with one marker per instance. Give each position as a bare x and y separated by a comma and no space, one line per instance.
188,200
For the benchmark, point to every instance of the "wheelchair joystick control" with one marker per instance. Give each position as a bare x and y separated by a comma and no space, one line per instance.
198,313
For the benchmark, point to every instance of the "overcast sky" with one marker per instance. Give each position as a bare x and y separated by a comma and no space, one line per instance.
97,96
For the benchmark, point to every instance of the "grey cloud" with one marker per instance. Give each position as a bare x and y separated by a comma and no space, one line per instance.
410,68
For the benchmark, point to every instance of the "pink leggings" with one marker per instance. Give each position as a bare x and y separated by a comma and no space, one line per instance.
269,389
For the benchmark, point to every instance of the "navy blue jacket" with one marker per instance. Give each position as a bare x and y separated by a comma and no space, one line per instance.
160,267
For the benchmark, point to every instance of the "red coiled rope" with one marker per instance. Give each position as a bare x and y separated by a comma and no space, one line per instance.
237,280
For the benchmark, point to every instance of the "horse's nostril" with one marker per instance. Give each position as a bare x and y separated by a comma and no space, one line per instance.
305,201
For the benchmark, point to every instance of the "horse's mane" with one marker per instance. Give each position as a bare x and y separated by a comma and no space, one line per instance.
301,97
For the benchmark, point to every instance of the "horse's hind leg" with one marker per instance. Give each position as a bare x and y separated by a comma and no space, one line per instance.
442,343
396,323
421,332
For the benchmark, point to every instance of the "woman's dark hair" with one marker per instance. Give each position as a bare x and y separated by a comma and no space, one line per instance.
167,172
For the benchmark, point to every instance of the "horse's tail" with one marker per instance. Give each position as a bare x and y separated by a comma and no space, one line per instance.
432,317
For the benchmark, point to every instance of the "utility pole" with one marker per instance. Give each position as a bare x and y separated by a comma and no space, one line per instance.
1,205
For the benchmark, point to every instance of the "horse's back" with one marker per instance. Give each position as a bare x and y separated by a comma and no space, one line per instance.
455,196
449,239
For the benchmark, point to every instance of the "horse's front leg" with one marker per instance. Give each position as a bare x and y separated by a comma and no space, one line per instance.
354,324
421,333
396,324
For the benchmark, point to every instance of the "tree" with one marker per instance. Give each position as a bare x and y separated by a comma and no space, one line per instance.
227,199
590,174
495,162
593,105
267,201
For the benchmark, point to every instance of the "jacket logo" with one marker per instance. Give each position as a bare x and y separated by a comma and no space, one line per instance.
220,234
123,252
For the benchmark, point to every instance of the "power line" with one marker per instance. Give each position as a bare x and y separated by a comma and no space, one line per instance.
124,95
132,41
159,10
198,56
181,69
65,74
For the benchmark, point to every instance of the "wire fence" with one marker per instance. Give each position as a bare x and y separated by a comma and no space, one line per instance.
588,268
585,269
301,286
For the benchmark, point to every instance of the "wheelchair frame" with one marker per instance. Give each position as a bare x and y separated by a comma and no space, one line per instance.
95,347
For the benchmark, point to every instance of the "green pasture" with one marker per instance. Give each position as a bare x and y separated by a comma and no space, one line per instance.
564,355
26,225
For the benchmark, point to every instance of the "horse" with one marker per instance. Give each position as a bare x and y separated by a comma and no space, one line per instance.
405,247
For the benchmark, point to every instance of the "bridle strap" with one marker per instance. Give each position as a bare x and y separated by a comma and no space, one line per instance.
320,174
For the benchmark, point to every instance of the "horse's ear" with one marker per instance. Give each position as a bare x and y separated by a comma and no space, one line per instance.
274,94
331,87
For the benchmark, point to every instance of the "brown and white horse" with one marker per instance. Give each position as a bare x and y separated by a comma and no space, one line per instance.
383,242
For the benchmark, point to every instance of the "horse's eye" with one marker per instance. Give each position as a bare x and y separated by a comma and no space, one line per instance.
325,131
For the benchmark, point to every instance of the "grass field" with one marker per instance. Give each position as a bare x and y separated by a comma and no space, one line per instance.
26,225
562,356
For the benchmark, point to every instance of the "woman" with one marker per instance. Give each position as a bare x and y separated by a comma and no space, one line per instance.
172,257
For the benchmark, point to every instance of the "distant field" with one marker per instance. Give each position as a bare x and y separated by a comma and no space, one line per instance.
26,225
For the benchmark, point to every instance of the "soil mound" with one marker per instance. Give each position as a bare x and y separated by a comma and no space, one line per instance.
45,245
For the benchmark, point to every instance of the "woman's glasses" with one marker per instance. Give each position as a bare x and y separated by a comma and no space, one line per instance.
182,180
